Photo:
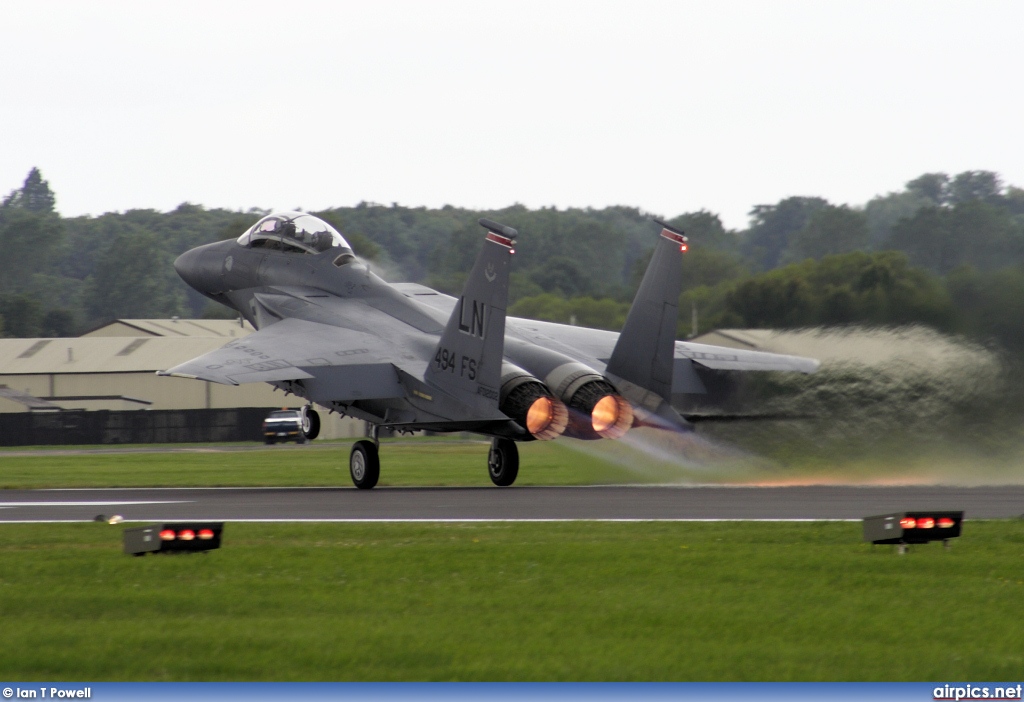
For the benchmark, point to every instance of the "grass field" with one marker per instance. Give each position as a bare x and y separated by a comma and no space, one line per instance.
654,457
566,601
416,461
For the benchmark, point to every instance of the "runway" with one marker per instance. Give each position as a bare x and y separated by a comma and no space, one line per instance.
504,504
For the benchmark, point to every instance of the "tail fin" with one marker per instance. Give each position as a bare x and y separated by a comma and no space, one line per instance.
467,360
643,355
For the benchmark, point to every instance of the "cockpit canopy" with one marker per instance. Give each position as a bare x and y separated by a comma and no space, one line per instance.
293,232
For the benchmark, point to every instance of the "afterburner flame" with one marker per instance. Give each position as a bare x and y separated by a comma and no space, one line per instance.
546,418
539,416
611,417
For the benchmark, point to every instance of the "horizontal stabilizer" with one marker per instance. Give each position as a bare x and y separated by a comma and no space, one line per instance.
724,358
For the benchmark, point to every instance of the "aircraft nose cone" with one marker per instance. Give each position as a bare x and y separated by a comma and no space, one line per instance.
187,266
201,267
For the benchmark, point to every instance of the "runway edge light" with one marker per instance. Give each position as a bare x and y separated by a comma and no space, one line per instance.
177,537
920,527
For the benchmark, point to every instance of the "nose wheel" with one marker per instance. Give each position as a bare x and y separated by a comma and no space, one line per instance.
503,462
364,464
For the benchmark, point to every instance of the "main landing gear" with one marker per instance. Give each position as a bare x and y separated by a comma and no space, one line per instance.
364,462
503,462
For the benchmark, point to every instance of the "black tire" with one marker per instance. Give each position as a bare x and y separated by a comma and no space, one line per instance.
310,424
268,442
364,464
503,462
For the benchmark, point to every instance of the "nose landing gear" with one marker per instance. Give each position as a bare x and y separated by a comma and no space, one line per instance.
310,423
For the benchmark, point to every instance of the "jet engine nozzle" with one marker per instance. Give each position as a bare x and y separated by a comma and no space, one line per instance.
612,417
531,405
597,411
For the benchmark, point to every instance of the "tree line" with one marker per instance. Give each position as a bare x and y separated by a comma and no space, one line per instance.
946,251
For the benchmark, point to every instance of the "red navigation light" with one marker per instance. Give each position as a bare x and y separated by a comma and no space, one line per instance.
205,534
946,523
926,522
908,523
186,535
682,248
167,535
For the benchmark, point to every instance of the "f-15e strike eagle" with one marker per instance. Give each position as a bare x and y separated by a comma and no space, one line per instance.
407,357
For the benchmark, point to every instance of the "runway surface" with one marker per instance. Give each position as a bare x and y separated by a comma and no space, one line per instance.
514,504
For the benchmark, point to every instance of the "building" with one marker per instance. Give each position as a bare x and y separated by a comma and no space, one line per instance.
106,371
174,327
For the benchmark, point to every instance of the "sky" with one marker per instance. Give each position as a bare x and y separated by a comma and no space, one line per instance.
671,107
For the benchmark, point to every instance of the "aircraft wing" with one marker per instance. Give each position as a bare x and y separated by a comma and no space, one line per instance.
349,361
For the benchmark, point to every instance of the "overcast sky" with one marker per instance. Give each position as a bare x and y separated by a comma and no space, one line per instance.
667,106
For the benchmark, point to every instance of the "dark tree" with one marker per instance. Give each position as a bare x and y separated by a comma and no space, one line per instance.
131,279
933,186
58,323
974,232
830,230
35,195
772,226
23,315
976,185
29,242
563,275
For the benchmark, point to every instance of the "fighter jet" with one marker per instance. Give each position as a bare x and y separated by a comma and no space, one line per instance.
406,357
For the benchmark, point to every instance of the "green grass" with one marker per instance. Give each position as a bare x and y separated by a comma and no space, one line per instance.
403,462
650,458
566,601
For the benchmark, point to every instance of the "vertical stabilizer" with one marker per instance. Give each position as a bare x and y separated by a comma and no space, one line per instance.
467,360
643,355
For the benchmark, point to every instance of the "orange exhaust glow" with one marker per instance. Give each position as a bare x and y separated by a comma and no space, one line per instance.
546,418
539,415
611,417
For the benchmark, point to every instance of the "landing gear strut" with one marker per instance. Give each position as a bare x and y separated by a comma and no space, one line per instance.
503,462
364,464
